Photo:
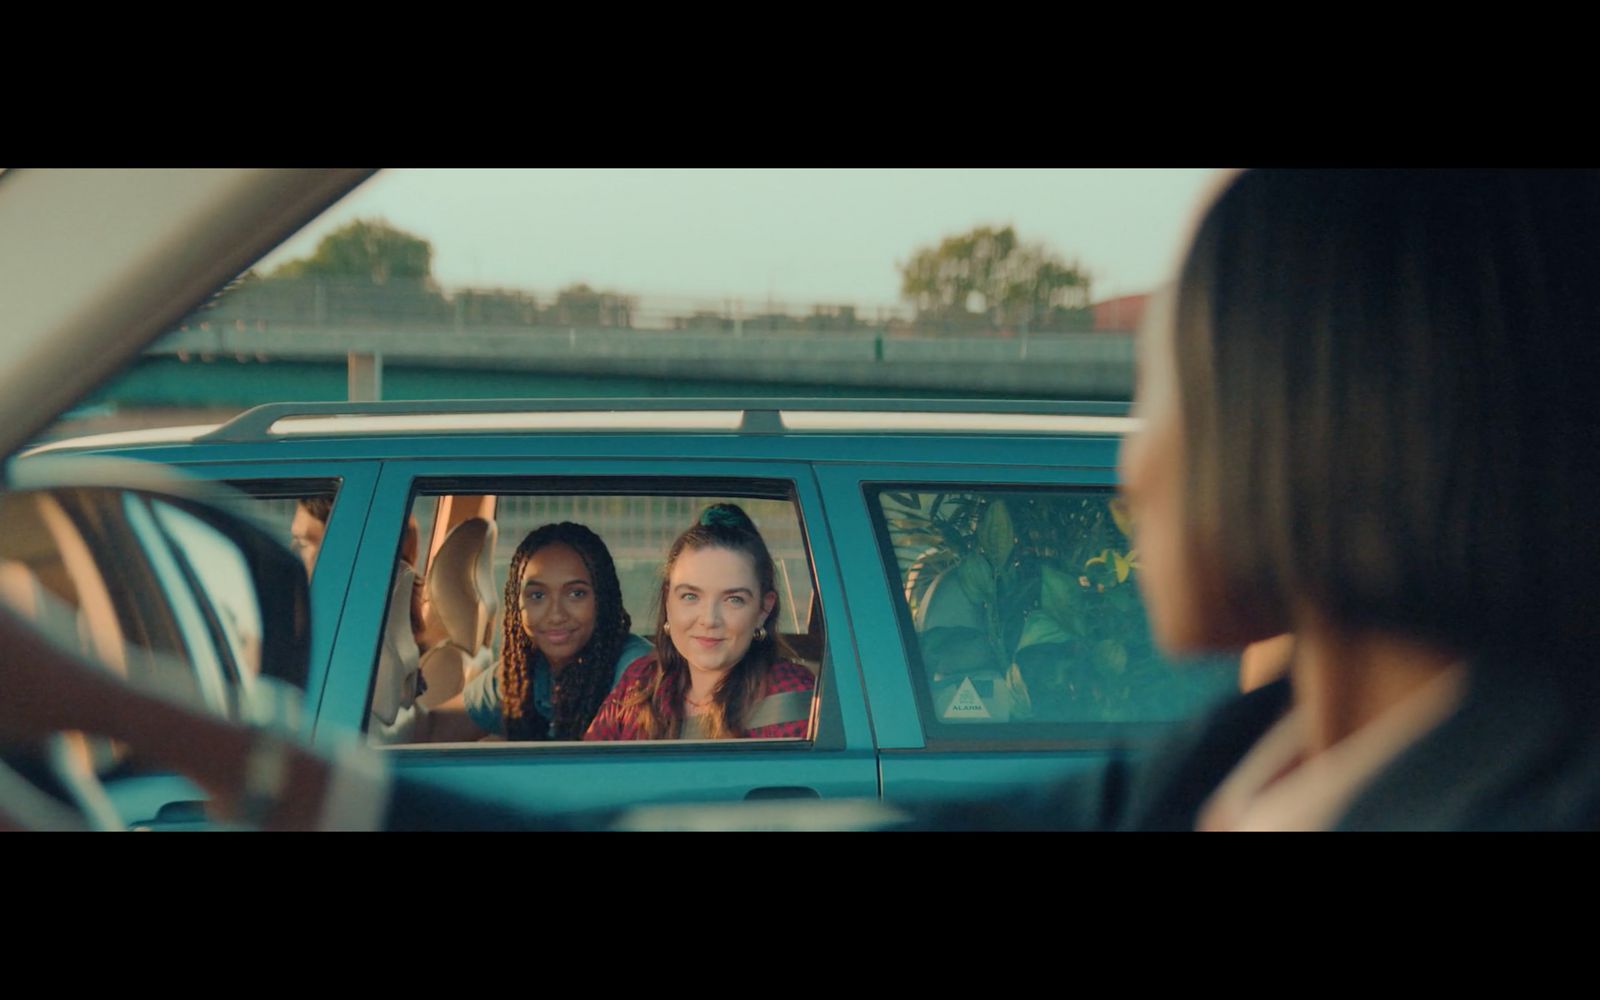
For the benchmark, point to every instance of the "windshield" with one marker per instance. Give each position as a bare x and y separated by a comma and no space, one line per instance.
631,283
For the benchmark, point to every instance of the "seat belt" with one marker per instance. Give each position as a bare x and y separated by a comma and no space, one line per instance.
775,709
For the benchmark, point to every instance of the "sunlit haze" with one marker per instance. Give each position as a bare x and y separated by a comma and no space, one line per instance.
756,235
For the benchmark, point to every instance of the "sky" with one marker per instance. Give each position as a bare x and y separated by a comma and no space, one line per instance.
806,235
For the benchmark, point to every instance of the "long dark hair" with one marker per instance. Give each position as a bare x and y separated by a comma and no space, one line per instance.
576,695
659,702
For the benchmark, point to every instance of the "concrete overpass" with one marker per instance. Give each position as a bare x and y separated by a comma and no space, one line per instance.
867,362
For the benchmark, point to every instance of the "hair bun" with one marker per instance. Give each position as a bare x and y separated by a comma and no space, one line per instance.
727,515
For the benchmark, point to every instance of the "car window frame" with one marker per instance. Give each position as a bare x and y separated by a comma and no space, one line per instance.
842,722
330,585
1028,736
893,697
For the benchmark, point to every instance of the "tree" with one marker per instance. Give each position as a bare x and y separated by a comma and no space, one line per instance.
497,307
990,278
372,249
580,305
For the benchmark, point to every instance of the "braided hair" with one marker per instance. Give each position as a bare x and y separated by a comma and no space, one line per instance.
659,701
576,694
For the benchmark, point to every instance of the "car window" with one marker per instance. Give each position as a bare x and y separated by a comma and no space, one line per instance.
457,606
1021,612
638,529
297,511
424,510
223,583
583,283
137,607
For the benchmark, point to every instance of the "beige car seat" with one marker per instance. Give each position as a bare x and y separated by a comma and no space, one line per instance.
394,693
75,760
98,627
462,595
21,590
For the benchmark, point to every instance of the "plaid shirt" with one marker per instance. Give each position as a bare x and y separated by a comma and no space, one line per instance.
613,722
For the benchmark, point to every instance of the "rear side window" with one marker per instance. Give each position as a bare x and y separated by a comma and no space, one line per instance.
638,529
1021,613
454,606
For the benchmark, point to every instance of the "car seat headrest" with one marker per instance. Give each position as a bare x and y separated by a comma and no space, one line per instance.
461,582
396,684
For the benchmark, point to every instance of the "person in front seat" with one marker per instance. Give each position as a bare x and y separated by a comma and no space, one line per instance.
309,526
1370,406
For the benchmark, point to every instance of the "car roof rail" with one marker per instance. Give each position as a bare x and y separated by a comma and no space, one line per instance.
278,421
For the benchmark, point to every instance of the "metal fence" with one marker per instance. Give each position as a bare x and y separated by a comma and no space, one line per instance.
360,302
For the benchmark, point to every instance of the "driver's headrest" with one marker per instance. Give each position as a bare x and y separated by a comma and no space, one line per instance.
461,584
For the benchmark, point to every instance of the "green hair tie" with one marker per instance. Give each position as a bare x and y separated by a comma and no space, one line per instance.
723,515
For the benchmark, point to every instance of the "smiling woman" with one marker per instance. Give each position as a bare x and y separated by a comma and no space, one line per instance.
718,671
566,635
565,640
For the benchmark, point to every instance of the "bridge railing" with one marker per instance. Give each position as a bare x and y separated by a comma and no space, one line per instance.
348,303
418,325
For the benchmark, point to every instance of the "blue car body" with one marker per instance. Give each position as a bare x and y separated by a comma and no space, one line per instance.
872,734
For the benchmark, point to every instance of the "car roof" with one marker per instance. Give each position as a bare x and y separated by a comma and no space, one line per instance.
965,431
284,421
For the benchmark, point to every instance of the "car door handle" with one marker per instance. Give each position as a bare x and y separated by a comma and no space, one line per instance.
176,814
193,811
782,792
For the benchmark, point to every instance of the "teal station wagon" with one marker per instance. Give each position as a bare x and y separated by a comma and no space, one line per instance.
958,577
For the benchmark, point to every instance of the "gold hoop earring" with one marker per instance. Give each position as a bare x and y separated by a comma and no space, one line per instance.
761,633
666,626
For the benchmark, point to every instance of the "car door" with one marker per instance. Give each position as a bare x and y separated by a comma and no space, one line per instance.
154,799
954,716
837,762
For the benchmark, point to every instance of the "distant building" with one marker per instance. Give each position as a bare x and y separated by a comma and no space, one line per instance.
1121,313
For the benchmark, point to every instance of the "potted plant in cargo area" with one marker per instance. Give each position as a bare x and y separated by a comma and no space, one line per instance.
1026,608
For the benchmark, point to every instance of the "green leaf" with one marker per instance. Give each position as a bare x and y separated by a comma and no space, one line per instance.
936,642
1040,629
996,536
977,578
955,650
1057,594
1111,655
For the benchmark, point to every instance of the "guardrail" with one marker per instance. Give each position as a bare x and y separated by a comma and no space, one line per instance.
1082,366
416,325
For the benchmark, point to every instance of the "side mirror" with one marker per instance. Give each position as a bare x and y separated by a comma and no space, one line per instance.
161,579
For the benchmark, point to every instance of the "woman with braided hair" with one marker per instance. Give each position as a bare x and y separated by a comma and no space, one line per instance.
566,641
718,670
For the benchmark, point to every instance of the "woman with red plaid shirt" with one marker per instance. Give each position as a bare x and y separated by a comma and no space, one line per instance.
717,671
